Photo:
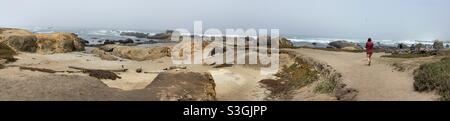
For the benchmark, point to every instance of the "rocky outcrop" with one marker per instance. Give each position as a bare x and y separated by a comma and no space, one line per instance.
183,86
136,53
163,36
344,45
103,54
127,41
141,54
18,39
24,43
285,43
134,34
58,43
6,53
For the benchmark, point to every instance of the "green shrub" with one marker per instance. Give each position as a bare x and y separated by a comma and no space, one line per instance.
434,76
406,55
291,78
438,44
326,86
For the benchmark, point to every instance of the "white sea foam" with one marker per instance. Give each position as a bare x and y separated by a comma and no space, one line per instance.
115,34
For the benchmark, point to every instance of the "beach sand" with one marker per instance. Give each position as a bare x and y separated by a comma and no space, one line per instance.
237,83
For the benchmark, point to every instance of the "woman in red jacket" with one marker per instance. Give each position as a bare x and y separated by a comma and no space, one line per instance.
369,50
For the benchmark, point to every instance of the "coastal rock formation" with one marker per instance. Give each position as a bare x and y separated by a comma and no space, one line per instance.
163,36
108,48
7,53
136,53
285,43
344,45
25,43
103,54
18,39
183,86
141,54
58,43
134,34
126,41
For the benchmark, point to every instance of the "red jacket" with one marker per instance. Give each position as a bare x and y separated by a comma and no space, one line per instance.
369,47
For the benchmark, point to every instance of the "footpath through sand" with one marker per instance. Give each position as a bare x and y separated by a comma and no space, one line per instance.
375,83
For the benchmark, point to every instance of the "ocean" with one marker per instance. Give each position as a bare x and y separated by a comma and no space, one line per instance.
99,35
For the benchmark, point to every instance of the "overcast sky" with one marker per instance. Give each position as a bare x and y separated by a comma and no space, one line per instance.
390,19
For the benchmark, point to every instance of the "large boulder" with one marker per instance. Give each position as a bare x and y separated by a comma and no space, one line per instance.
103,54
141,54
6,53
345,45
137,53
18,39
163,36
58,43
285,43
183,86
134,34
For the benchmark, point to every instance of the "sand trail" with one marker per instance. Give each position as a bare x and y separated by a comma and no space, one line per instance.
375,83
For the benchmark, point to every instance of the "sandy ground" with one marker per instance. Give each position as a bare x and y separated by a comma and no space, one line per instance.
378,82
235,83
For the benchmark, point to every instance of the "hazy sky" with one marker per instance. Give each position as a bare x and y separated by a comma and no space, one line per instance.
389,19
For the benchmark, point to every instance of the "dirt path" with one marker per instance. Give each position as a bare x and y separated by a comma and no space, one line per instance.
378,82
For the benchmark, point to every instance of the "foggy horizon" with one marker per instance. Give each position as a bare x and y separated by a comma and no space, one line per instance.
384,19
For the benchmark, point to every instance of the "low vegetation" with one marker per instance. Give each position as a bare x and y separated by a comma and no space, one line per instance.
399,67
327,86
406,55
291,78
434,77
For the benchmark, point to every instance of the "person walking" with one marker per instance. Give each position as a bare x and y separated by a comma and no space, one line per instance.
369,50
